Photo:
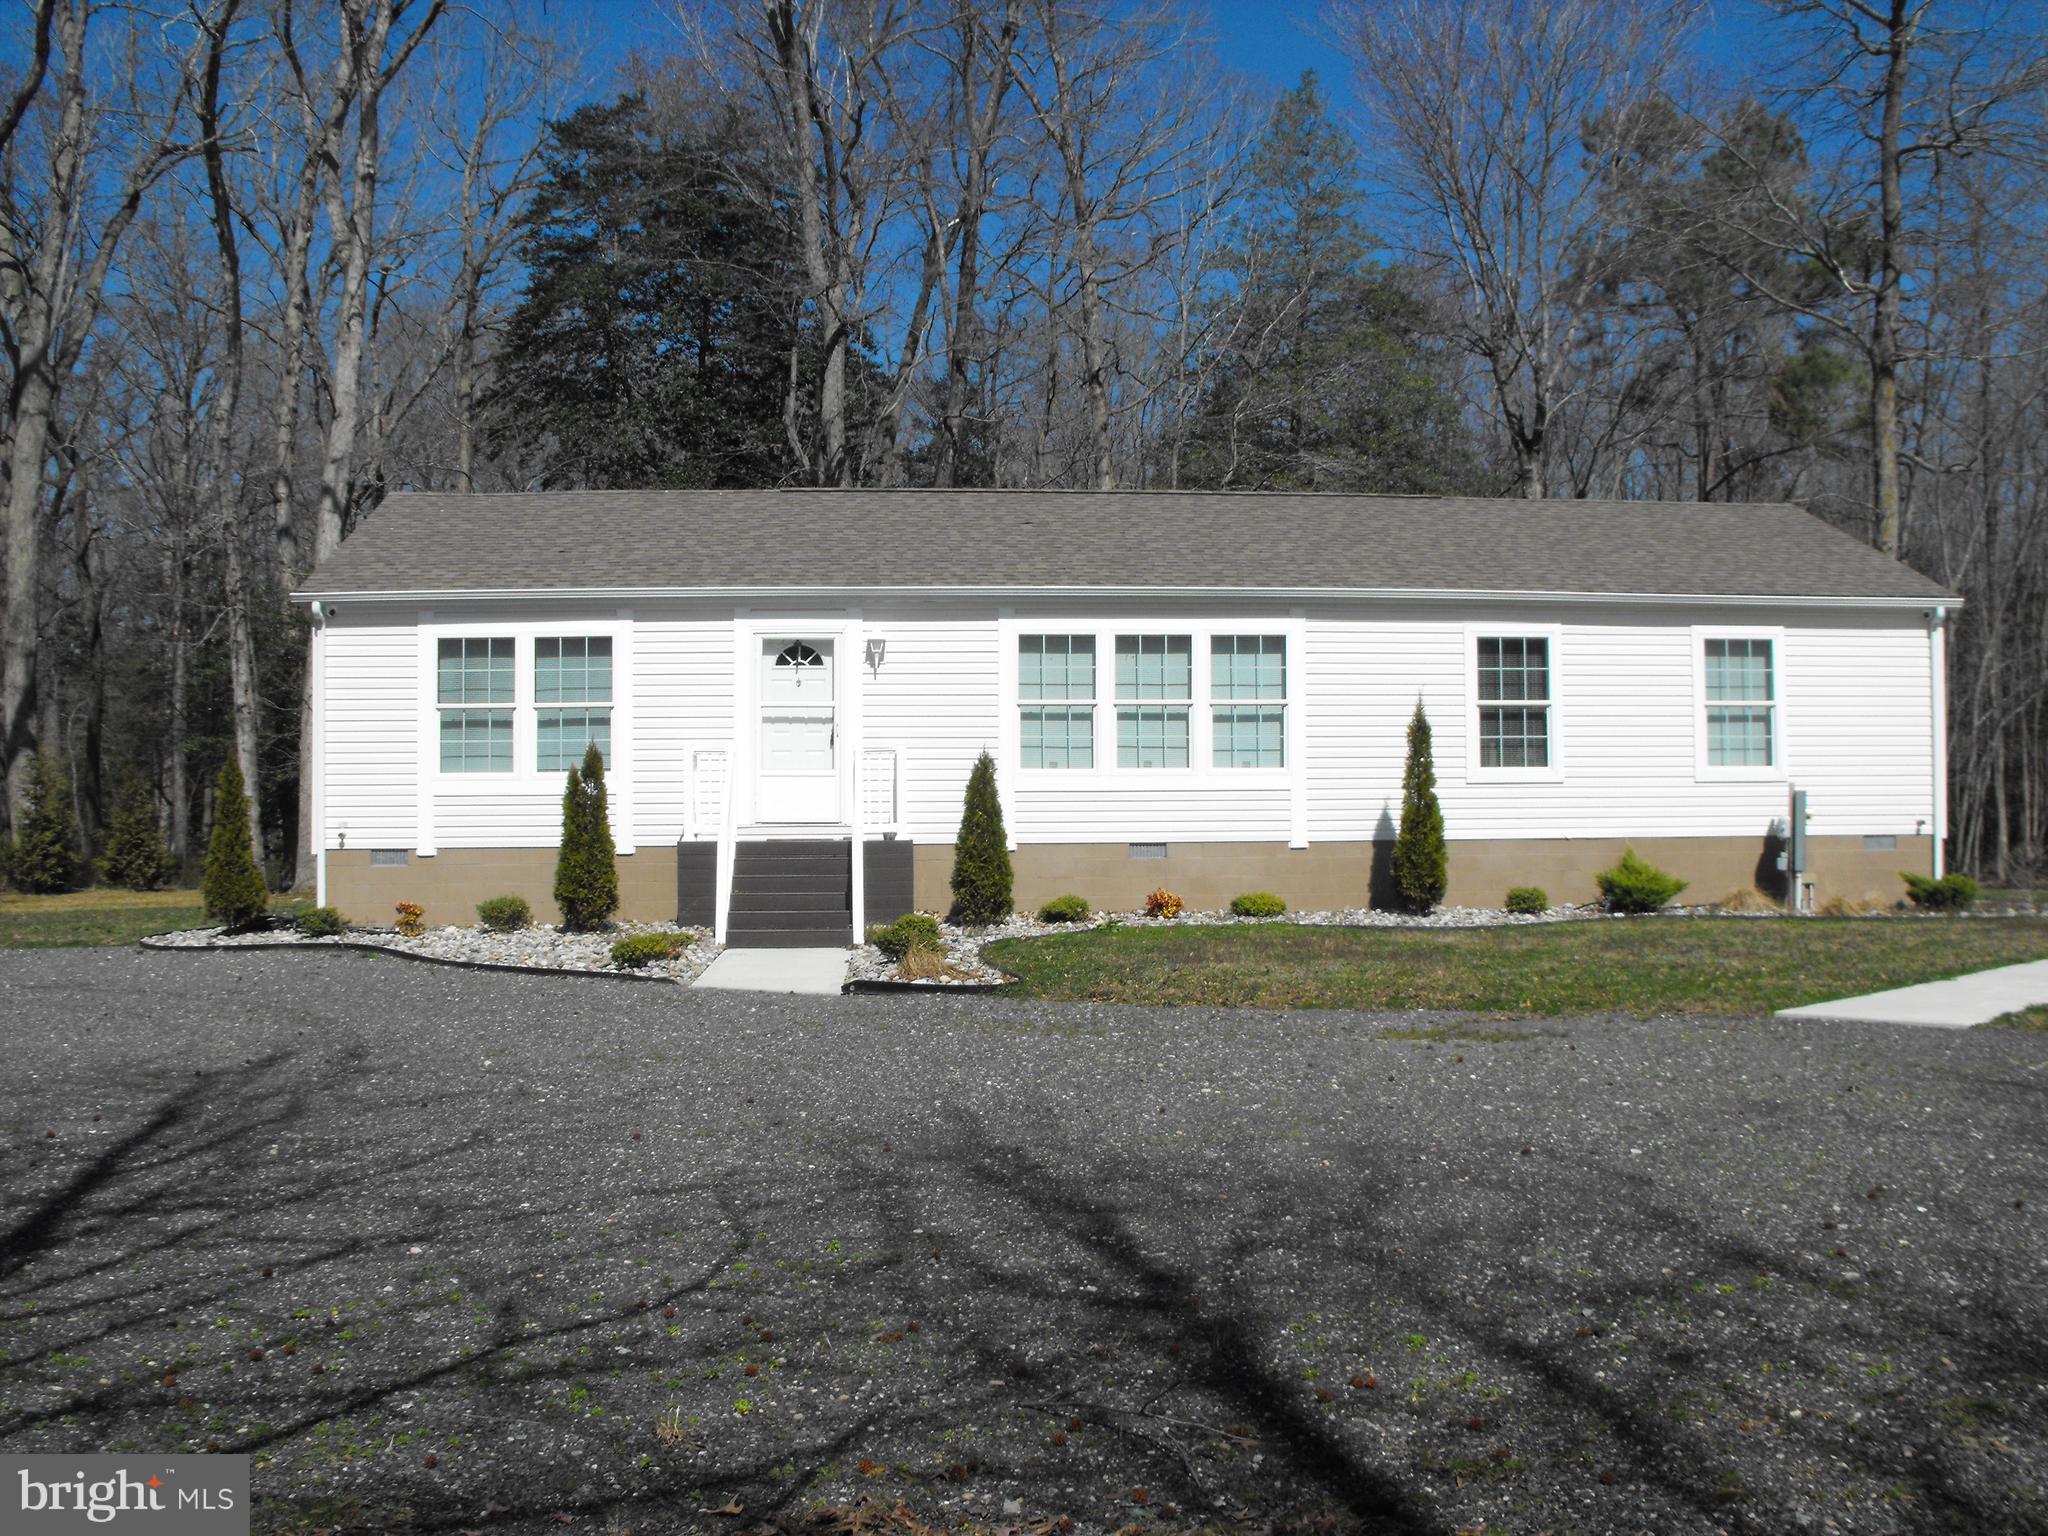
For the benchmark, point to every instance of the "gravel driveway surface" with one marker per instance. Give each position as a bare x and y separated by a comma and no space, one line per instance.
451,1251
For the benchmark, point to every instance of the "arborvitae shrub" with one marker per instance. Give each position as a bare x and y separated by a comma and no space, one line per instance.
1636,885
135,857
44,858
981,853
1421,863
504,914
1064,909
1257,904
236,896
586,873
1951,893
1528,901
910,930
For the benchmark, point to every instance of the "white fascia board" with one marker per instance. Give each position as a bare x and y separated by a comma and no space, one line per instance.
831,596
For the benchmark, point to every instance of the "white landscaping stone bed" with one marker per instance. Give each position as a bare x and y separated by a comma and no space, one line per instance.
537,948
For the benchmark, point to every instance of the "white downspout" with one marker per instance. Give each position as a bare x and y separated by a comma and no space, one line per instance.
1937,681
316,766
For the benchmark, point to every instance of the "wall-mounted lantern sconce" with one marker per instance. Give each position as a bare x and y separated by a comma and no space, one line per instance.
875,649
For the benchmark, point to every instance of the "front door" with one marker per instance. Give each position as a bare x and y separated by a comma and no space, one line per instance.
799,733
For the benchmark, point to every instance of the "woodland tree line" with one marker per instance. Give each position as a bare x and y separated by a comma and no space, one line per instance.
264,261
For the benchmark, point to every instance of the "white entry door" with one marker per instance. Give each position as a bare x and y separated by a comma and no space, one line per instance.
799,780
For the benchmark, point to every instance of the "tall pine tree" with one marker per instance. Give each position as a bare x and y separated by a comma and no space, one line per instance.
1318,375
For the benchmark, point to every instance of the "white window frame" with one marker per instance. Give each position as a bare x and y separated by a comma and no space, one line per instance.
525,779
1778,771
1200,773
1514,629
1186,703
1212,701
1093,703
607,704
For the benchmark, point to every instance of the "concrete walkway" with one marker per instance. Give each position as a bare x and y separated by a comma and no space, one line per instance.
1958,1003
821,971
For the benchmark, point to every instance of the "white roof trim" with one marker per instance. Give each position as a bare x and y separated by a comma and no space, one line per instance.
1272,594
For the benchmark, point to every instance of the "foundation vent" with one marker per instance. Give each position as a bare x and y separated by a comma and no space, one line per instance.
1881,842
388,856
1148,850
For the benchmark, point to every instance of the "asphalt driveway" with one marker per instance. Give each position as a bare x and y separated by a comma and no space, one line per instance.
446,1250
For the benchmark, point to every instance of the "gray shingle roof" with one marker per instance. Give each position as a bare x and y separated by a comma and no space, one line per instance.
920,539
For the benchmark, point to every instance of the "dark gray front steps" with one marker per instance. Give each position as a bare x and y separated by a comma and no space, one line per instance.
791,895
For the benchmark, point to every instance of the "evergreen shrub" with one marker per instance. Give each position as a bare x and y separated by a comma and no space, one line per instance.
982,877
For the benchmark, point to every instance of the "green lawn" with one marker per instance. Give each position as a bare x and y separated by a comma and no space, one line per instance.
1644,966
102,917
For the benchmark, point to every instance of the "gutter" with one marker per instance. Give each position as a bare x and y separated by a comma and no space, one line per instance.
1276,594
1937,692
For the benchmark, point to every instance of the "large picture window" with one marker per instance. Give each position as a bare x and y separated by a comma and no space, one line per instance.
1248,691
1056,696
1154,692
474,688
1741,703
572,694
1514,701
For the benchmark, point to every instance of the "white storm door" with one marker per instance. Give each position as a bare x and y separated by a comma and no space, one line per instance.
799,778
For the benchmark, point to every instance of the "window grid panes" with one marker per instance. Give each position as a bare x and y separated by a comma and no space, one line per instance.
1056,667
1154,667
476,741
476,671
1151,737
1249,666
1058,737
572,669
561,735
1741,697
1250,736
1514,737
1514,701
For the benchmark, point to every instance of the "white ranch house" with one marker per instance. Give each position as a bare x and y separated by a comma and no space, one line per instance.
1203,691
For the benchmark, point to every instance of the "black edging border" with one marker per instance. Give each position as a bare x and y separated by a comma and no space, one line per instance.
879,984
148,942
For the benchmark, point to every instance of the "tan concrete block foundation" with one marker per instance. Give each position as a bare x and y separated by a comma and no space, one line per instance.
453,881
1330,875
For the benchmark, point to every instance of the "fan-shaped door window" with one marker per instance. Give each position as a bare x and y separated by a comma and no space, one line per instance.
797,657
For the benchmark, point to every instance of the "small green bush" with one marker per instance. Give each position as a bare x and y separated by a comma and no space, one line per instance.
234,889
1951,893
1257,904
135,857
640,950
504,914
1064,909
895,939
1636,885
1528,901
320,922
982,875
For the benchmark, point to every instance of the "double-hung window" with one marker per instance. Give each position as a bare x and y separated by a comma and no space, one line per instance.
1741,702
474,688
1248,689
1514,701
1056,698
572,695
1154,692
